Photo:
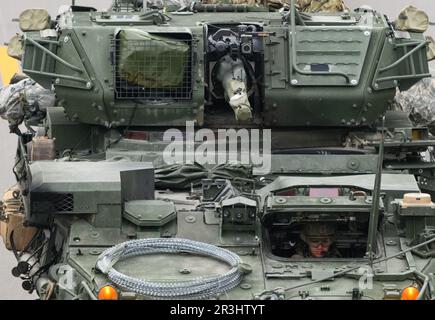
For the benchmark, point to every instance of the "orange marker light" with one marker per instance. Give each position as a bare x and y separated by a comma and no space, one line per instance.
410,293
108,293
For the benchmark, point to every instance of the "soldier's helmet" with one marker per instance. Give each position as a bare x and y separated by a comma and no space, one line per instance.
318,230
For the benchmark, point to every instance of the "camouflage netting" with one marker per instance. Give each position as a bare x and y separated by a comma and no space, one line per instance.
25,101
419,102
309,6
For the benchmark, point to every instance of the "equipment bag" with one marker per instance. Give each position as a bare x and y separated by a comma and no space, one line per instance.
13,221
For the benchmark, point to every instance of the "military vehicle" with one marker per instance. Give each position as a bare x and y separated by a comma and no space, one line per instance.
343,211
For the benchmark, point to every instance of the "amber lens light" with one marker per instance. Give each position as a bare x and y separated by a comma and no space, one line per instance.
108,293
418,135
410,293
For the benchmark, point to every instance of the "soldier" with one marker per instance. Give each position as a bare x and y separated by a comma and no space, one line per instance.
317,242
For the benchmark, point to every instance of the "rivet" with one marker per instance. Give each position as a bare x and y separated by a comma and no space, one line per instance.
95,235
190,219
246,286
185,271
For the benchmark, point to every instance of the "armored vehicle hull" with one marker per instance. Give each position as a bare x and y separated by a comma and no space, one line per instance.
220,152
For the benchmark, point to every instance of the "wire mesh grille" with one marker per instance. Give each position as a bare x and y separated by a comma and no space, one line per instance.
63,202
151,74
52,202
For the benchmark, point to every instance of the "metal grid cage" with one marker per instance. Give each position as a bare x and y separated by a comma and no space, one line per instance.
152,68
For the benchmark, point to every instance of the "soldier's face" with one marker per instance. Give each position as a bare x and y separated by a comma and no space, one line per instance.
319,247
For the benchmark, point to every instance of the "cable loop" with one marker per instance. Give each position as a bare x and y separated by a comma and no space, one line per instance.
198,288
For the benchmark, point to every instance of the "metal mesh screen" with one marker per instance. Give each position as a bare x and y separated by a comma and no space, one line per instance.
52,202
153,69
63,202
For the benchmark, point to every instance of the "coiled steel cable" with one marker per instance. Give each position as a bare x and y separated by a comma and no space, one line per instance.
198,288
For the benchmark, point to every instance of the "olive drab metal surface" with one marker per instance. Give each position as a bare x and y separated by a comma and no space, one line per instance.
260,150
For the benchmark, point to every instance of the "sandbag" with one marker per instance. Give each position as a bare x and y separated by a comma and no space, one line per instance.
15,47
34,20
412,19
430,48
151,61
